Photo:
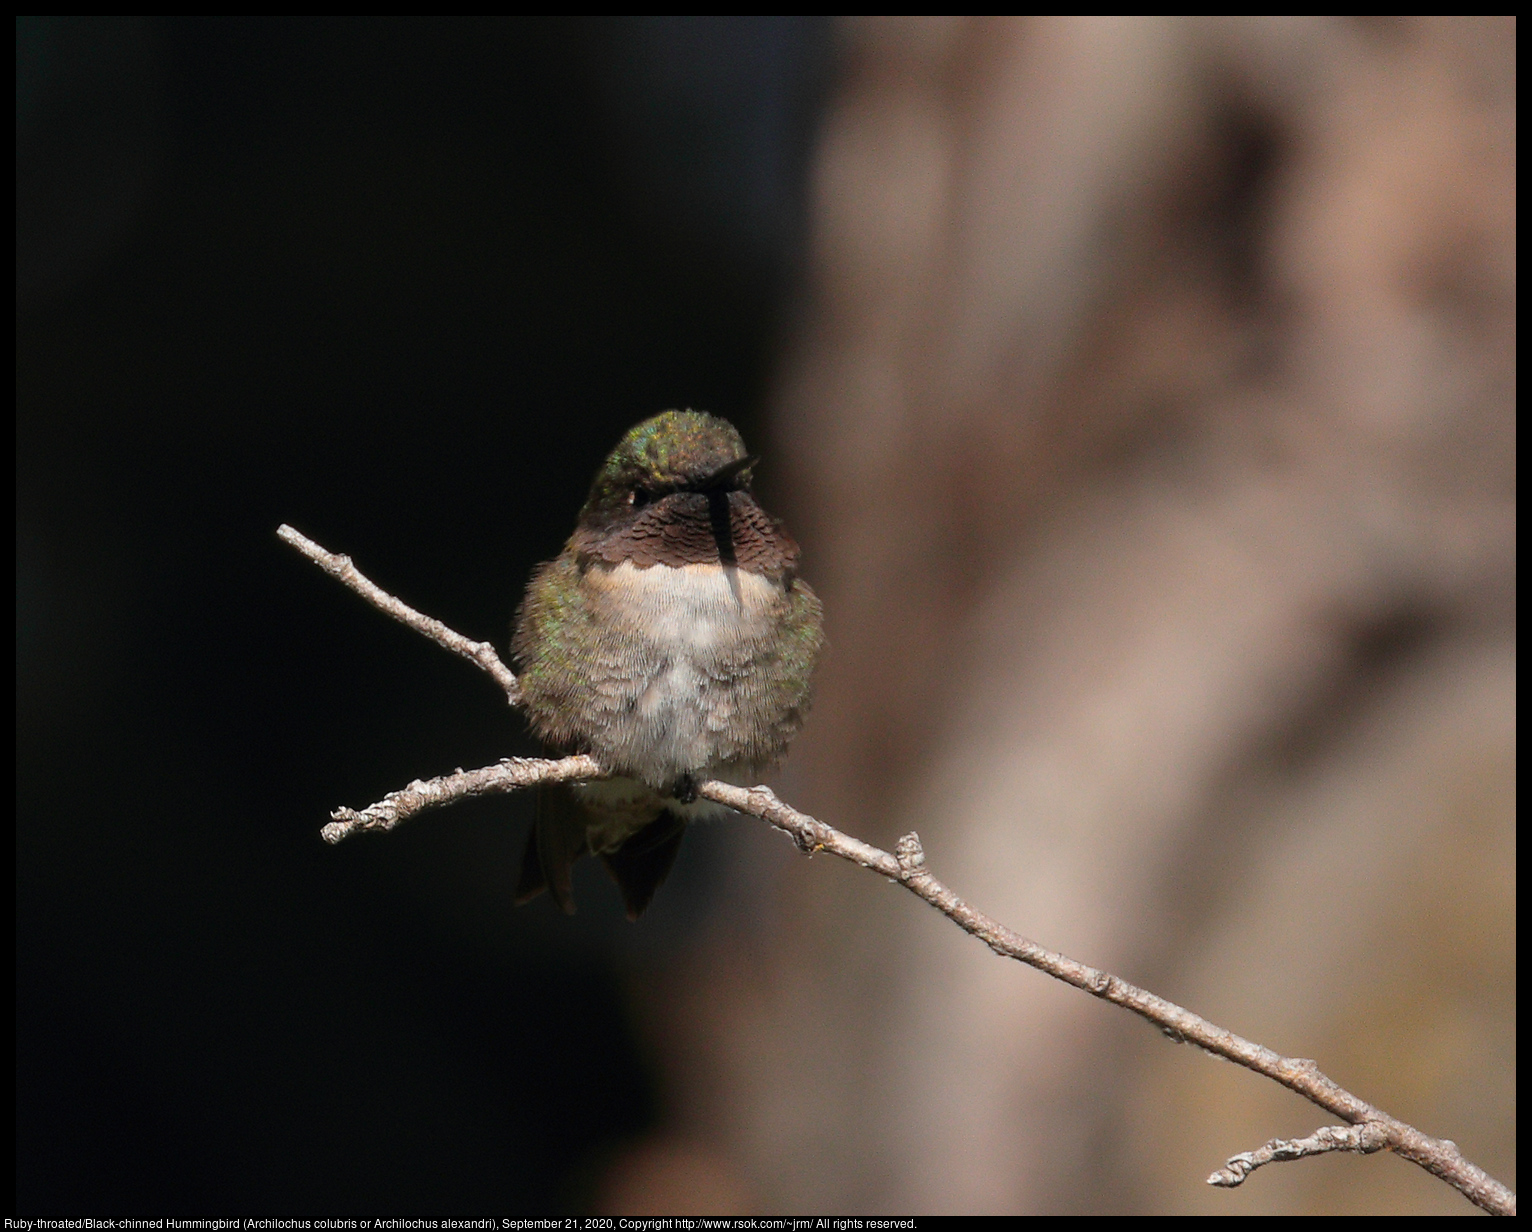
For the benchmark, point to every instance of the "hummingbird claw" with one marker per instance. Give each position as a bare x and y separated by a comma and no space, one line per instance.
685,791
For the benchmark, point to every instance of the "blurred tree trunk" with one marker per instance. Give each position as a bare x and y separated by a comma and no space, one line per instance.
1149,428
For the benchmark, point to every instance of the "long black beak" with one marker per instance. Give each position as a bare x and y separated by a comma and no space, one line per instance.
724,475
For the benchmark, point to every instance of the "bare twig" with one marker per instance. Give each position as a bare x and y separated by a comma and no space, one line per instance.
343,571
510,774
1372,1129
1363,1139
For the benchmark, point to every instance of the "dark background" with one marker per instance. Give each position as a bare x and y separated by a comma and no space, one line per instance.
401,284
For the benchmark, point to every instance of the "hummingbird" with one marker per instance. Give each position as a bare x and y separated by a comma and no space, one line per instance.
673,640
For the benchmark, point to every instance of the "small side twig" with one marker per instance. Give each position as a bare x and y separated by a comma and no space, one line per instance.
343,571
1362,1139
509,774
1369,1129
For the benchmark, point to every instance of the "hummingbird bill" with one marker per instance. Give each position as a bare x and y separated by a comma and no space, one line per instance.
673,640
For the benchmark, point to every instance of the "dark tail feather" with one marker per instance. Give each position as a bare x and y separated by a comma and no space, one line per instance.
557,840
642,863
531,882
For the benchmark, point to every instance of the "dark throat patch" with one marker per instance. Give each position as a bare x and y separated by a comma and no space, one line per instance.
694,528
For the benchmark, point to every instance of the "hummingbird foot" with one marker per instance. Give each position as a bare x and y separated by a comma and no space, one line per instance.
685,790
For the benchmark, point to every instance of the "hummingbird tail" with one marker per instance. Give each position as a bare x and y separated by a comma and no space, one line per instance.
642,863
556,841
530,882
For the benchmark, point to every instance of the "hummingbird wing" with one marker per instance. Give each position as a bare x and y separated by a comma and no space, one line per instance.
642,863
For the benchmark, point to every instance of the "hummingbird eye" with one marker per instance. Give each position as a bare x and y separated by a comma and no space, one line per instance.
639,497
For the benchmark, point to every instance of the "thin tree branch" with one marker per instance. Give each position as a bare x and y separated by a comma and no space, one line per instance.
510,774
343,571
1373,1129
1438,1156
1363,1139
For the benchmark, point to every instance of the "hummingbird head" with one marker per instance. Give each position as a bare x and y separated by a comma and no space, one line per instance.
675,451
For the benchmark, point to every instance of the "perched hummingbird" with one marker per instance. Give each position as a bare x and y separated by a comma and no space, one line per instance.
671,639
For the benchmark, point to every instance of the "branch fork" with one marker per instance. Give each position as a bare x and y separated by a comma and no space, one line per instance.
1366,1131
